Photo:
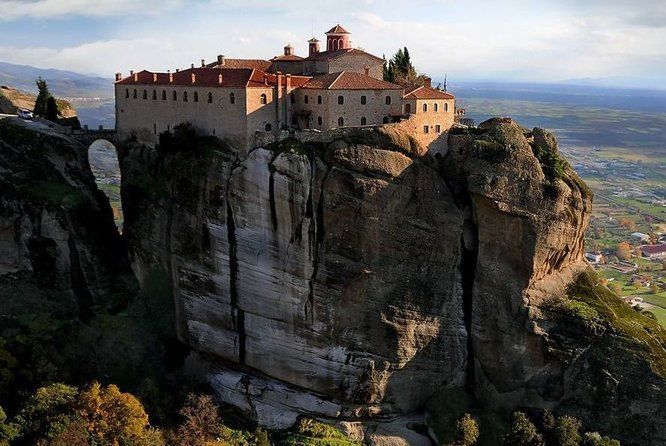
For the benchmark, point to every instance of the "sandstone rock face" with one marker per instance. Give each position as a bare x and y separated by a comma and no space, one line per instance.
55,236
355,278
11,100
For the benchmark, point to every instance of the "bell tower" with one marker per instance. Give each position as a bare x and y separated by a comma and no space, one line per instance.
337,38
313,45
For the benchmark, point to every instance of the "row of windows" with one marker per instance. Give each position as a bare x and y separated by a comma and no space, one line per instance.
438,129
186,97
341,121
341,99
408,107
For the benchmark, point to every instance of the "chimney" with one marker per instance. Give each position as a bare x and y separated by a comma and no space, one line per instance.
219,79
119,76
427,82
194,78
220,59
203,63
192,66
136,77
155,77
367,70
287,82
177,70
265,79
170,77
131,72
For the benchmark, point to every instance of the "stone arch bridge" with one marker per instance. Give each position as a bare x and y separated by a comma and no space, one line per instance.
87,137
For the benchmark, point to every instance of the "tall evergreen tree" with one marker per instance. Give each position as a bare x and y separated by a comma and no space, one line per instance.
51,109
42,97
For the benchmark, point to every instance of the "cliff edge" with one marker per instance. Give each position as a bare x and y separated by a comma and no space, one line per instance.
357,281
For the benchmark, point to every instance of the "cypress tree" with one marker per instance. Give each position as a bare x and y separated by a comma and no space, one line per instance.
42,97
51,109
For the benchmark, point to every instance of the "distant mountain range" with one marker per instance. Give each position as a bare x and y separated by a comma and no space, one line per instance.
65,84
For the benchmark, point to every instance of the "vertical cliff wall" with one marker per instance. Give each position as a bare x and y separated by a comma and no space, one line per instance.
355,279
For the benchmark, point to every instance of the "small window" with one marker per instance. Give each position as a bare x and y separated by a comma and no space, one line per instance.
263,99
196,97
154,95
126,93
232,98
306,99
388,100
134,95
175,96
364,100
341,100
185,96
320,121
341,121
364,121
446,107
438,128
145,94
319,99
164,95
210,98
268,127
292,98
408,108
425,107
436,107
426,129
385,120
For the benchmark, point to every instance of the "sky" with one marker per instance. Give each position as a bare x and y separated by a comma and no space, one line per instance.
619,41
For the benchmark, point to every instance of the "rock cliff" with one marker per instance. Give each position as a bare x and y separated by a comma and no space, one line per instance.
358,280
11,100
57,242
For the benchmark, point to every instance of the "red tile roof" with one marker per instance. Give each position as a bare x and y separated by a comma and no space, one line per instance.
253,64
337,29
327,55
208,77
654,249
287,57
348,80
423,92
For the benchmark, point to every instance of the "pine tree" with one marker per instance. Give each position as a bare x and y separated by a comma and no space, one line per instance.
42,98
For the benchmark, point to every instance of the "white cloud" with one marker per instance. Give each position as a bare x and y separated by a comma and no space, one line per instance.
16,9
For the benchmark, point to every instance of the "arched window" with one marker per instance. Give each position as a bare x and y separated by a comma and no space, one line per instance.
388,100
175,96
126,93
386,120
134,95
268,127
364,121
446,106
154,95
210,98
425,107
320,121
196,96
145,94
319,99
436,107
164,95
341,100
341,121
263,98
408,108
306,99
184,96
232,98
364,100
